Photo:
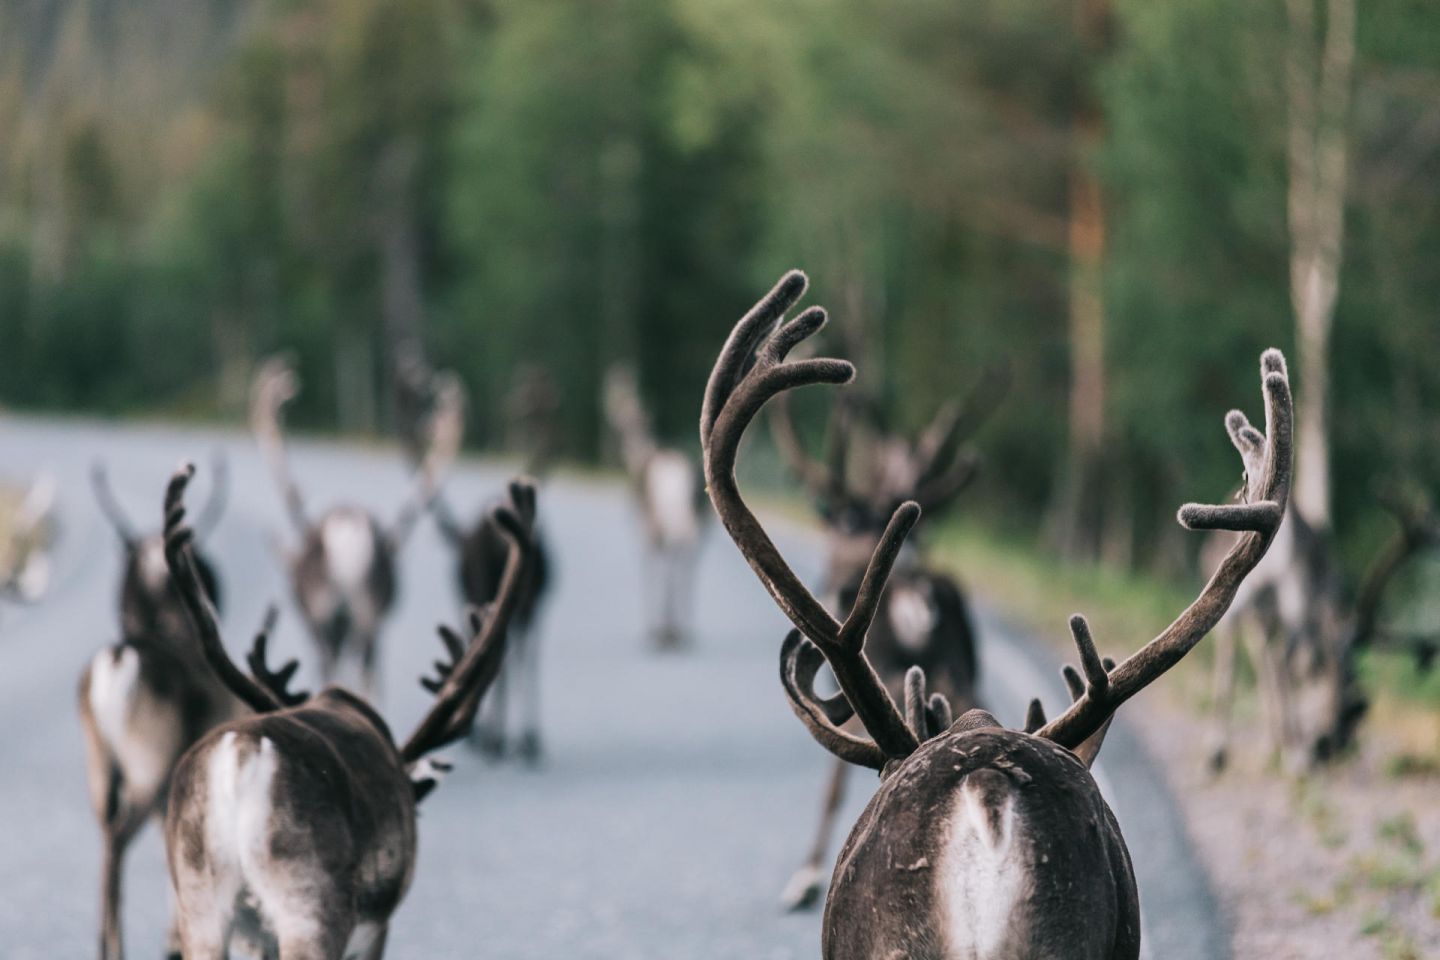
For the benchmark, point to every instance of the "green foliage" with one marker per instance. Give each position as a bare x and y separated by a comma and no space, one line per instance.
576,183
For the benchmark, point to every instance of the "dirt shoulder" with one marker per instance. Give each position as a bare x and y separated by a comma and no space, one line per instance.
1344,862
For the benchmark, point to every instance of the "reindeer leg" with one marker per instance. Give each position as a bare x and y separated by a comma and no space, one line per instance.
489,732
528,664
685,591
672,635
803,890
651,574
369,646
1222,695
377,946
1268,682
118,835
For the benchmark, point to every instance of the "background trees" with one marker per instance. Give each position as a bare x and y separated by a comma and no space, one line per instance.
1122,199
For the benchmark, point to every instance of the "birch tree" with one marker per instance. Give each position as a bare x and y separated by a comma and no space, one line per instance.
1318,86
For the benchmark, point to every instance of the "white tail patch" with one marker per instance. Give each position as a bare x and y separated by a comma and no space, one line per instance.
239,804
112,691
349,541
912,615
670,490
981,881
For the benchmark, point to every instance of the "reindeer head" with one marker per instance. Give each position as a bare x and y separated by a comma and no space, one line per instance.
752,369
857,499
149,601
441,432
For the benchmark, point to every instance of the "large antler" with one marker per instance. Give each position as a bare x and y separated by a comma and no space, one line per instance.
110,507
179,555
209,517
276,385
276,681
943,466
1266,490
444,430
464,680
751,369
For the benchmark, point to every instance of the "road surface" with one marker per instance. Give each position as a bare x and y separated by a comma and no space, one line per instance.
678,792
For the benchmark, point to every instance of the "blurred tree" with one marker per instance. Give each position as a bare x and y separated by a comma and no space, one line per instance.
1318,82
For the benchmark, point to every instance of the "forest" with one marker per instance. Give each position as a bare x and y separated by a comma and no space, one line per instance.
1119,202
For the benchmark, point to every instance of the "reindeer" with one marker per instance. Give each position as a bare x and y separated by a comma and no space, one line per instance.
25,554
294,828
667,491
1303,631
145,700
343,576
481,548
925,620
981,842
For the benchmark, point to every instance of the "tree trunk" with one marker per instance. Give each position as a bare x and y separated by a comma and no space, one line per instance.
401,300
1318,156
1077,513
230,338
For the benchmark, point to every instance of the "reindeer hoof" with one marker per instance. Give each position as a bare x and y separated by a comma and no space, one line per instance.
528,749
803,890
1219,759
669,639
488,744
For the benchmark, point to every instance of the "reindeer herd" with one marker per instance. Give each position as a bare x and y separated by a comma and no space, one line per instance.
290,818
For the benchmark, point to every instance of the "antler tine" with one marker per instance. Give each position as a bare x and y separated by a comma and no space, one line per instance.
957,422
937,491
274,386
877,573
179,556
917,704
1266,494
813,475
939,713
214,508
1034,715
110,507
459,694
275,681
750,370
800,660
826,481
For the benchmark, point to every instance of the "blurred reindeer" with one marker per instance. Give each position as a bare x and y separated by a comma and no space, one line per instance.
294,829
481,547
145,700
923,619
344,574
1304,629
25,552
668,492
